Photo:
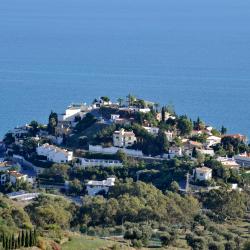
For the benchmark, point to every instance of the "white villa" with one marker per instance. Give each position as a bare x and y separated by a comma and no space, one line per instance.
152,130
73,111
114,117
173,152
95,187
12,177
83,162
213,140
55,154
206,151
202,174
228,162
123,138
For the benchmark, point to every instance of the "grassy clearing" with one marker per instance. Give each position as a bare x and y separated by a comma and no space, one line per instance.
86,243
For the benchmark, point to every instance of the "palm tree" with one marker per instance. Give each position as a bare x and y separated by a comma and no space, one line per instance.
131,99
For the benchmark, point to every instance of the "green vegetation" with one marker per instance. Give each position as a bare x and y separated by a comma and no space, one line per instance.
149,205
86,243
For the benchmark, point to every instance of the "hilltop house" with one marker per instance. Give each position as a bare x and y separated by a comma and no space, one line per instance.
55,154
229,162
123,138
190,145
212,140
152,130
12,177
95,187
74,111
202,174
115,118
173,151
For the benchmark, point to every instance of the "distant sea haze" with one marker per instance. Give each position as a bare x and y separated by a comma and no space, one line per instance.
194,54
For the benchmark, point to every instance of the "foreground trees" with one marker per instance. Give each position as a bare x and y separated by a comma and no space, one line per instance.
138,202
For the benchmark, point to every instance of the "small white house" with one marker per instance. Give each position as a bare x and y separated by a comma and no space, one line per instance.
212,140
229,162
152,130
206,151
73,111
55,154
173,152
15,176
114,117
95,187
202,174
123,138
12,177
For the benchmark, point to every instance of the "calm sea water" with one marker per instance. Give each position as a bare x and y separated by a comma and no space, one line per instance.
191,53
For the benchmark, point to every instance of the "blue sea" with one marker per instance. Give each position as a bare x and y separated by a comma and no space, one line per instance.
194,54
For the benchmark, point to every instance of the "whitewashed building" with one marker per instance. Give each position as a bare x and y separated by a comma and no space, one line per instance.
12,177
152,130
229,162
206,151
202,174
73,111
95,187
123,138
55,154
173,152
212,140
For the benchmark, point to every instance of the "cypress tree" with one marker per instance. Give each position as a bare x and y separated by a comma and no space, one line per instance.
12,241
19,240
9,243
26,239
163,117
35,238
31,239
3,240
23,239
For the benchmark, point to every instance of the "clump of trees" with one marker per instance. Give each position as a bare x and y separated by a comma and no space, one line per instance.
137,202
86,122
